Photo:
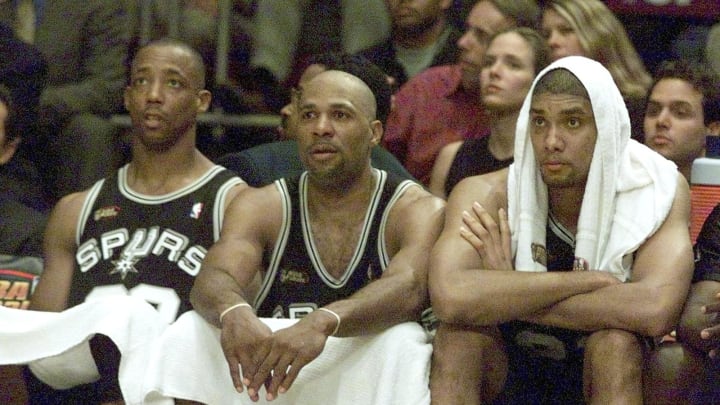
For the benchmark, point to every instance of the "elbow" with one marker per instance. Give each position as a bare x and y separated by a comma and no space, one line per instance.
660,321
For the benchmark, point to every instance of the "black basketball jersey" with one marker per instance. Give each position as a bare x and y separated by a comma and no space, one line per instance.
147,246
296,282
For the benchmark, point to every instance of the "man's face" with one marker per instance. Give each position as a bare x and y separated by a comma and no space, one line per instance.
563,134
416,15
335,126
482,22
164,95
674,121
507,73
560,35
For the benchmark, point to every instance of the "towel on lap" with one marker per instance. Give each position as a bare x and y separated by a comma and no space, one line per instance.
390,368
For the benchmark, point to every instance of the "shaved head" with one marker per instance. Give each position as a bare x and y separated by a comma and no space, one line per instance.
347,86
196,65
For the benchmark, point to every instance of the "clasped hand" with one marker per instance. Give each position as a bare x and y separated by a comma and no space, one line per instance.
490,239
266,358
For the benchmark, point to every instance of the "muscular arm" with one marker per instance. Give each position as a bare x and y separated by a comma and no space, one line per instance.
465,290
651,302
400,294
59,246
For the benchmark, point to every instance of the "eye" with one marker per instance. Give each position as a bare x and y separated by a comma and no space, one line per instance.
340,115
307,115
573,122
565,31
174,83
139,81
682,111
538,121
653,110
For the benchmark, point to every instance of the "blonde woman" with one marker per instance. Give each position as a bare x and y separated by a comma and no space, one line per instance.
588,28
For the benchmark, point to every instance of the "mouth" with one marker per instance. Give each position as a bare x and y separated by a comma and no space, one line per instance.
322,151
660,140
153,119
491,89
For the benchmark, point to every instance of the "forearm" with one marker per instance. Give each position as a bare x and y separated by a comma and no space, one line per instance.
646,310
381,304
213,292
489,297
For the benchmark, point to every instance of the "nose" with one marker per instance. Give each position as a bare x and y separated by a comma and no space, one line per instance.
663,119
323,126
553,40
463,42
553,139
154,93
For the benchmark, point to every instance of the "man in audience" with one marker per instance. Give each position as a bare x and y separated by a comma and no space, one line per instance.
442,104
344,246
421,37
144,230
85,44
579,254
682,109
265,163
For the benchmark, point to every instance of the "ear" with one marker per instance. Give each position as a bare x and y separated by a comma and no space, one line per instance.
377,130
8,149
204,98
714,128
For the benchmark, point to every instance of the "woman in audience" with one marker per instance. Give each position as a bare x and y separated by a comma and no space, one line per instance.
588,28
512,60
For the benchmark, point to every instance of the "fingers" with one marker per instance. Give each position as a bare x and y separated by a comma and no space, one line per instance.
234,366
505,233
711,308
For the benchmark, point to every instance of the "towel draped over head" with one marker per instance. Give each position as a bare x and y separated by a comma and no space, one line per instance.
629,192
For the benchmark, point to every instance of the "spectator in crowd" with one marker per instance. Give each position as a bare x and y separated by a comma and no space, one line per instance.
512,60
169,200
288,32
682,109
421,37
712,48
552,274
265,163
85,45
588,28
375,279
442,104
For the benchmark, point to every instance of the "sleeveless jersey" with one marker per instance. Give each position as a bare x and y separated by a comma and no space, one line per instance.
296,282
147,246
548,341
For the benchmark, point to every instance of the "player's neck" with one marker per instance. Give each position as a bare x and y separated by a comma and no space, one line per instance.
565,205
342,196
158,174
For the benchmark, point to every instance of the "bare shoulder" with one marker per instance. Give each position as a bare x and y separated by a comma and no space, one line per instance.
65,214
418,198
490,190
254,210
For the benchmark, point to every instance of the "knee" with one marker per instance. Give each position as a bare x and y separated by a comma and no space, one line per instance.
613,342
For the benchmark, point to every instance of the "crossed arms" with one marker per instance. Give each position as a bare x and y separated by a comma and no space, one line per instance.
649,304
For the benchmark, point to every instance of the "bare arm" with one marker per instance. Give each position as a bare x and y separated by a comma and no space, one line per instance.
463,291
651,302
59,246
441,168
700,322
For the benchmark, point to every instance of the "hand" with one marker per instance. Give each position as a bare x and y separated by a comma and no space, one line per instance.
492,242
245,342
712,333
290,350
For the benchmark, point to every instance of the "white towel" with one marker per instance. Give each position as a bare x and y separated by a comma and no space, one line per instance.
629,192
55,344
185,359
391,368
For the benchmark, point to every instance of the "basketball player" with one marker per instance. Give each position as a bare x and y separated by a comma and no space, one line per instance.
143,231
343,246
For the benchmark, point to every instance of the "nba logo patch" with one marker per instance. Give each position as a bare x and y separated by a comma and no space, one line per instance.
196,210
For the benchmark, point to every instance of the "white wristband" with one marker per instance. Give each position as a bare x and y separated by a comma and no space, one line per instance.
225,312
333,313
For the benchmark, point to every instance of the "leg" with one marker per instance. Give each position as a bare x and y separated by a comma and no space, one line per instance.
674,374
612,368
469,365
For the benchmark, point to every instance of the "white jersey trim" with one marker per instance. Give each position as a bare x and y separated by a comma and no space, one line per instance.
132,195
87,209
382,244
